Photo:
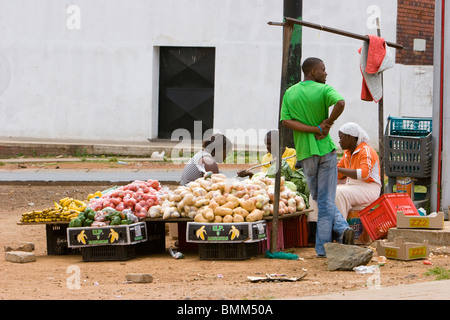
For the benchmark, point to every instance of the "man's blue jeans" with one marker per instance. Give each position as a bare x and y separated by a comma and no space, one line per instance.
321,176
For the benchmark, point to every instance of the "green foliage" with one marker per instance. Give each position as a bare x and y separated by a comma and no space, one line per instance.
439,272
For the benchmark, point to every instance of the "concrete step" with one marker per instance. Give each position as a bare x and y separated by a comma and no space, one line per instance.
435,237
10,147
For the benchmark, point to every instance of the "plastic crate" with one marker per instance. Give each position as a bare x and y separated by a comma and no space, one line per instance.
381,215
94,236
264,245
417,127
156,239
56,235
183,245
228,251
407,155
108,253
295,232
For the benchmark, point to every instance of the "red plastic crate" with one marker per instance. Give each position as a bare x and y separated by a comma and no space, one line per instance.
381,215
264,245
295,232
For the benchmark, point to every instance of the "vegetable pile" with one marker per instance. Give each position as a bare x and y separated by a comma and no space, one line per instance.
138,196
211,199
215,199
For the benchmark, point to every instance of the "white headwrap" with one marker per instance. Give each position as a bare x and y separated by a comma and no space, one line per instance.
354,130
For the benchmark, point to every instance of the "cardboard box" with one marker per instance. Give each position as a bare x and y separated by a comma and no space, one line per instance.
401,250
109,235
420,222
226,232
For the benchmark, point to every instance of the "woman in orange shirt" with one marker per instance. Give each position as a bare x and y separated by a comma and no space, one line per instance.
358,170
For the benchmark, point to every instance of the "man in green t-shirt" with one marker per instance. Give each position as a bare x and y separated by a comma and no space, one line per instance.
305,110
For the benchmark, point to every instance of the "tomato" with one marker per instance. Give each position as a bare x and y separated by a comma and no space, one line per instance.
146,197
115,201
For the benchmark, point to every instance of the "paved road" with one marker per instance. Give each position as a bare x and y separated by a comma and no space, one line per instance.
85,175
435,290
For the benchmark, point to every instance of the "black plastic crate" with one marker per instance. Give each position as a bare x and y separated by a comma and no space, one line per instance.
408,147
408,156
228,251
107,235
109,253
156,239
56,235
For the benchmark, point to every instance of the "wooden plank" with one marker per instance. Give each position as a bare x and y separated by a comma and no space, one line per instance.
333,30
177,220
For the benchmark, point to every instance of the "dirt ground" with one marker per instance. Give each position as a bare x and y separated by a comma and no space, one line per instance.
51,277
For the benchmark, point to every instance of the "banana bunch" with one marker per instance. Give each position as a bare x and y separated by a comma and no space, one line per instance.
70,204
48,215
64,210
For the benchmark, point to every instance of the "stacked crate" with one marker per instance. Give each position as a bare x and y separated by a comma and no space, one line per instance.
408,151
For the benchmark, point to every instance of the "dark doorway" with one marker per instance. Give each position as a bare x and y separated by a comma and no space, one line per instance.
186,89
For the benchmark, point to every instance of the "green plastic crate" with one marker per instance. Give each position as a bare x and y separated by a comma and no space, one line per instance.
415,127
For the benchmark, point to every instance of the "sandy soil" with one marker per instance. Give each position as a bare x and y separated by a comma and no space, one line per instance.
50,277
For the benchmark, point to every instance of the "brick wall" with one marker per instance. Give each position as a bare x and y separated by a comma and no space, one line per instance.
415,20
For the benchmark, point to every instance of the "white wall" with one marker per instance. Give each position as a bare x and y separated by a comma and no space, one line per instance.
100,82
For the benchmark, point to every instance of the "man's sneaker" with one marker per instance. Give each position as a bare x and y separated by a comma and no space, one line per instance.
348,237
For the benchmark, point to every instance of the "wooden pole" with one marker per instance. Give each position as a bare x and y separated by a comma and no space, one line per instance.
287,35
292,9
335,31
381,124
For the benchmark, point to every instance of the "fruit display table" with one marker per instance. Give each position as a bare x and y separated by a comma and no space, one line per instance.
291,233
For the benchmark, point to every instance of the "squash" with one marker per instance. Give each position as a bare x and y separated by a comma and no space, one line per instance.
208,214
221,200
255,215
248,205
234,200
201,202
205,184
199,192
229,204
192,185
213,204
200,218
221,211
228,219
240,211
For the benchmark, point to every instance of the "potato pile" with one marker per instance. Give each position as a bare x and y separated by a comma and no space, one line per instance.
216,199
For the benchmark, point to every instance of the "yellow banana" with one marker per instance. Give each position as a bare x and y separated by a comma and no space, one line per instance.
82,237
57,205
234,232
200,233
66,202
79,203
61,201
114,235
